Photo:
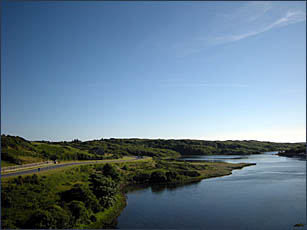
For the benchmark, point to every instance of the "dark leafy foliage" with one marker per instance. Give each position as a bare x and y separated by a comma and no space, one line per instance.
81,192
110,171
80,213
36,203
104,189
296,151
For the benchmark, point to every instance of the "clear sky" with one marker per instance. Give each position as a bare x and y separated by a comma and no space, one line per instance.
198,70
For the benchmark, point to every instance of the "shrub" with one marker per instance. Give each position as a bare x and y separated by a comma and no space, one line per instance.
158,176
61,218
171,175
104,189
41,219
81,193
142,177
111,171
79,212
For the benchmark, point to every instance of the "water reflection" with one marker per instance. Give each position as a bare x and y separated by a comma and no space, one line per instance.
213,158
159,188
268,195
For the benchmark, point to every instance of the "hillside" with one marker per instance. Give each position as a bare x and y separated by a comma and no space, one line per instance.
201,147
17,150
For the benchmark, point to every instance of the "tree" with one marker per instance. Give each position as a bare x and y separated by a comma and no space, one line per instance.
109,170
142,177
104,189
158,176
97,150
53,157
61,218
76,141
82,193
41,219
79,212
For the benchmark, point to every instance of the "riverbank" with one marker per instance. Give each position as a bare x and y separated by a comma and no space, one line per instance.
109,219
96,193
226,202
298,152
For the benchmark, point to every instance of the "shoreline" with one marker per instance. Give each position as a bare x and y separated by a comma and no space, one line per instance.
63,179
125,189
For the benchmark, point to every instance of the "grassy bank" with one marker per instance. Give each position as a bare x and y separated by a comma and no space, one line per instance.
107,219
44,165
91,196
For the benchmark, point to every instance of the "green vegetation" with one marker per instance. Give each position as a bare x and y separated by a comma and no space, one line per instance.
90,196
16,150
298,150
68,198
173,171
5,164
200,147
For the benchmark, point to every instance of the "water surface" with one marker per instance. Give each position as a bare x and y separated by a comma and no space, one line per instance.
269,195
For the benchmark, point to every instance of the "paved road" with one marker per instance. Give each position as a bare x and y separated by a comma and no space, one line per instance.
64,165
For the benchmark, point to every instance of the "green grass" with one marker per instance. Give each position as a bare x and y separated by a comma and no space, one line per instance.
219,169
61,169
27,197
20,151
5,164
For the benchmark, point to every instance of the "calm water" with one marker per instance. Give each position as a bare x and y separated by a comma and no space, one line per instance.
270,195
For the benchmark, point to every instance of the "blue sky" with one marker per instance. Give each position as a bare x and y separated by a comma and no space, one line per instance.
198,70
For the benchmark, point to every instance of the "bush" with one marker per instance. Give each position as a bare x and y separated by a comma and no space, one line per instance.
142,178
97,150
81,193
7,223
190,173
61,218
6,156
104,188
79,212
41,219
171,175
31,179
110,171
158,176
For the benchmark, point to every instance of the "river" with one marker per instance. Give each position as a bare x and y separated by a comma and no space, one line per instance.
269,195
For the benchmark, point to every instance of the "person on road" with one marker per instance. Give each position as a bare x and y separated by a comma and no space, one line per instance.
39,169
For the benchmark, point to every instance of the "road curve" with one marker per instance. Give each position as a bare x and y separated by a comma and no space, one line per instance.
64,165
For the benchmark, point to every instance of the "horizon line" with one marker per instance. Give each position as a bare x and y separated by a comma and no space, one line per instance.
156,138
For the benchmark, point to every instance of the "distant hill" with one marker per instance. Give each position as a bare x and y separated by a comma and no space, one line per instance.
17,150
201,147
